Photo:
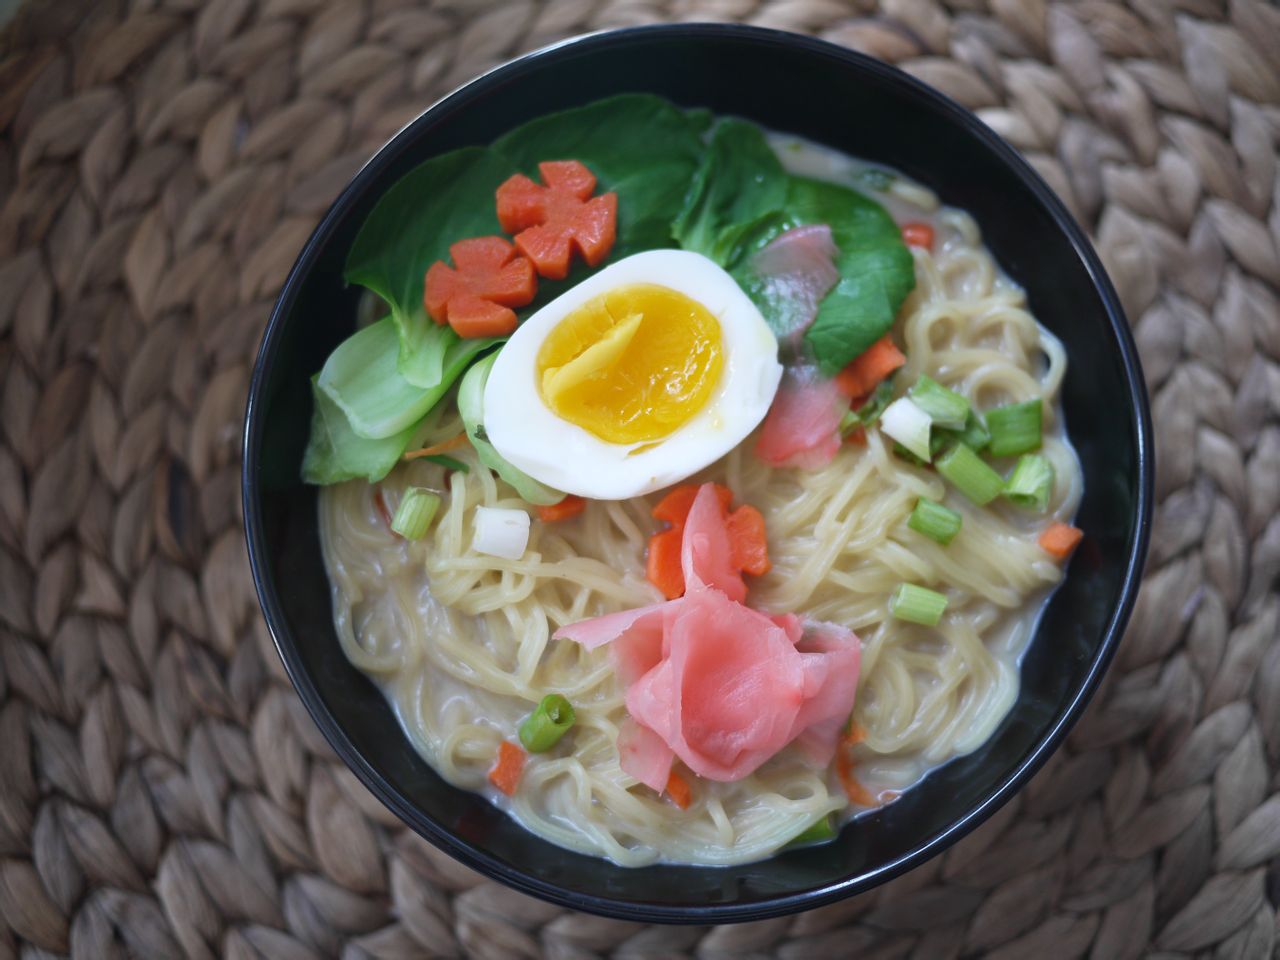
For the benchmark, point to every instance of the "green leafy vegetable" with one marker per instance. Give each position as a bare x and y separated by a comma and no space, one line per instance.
439,202
449,463
361,378
471,407
336,453
875,266
876,270
739,181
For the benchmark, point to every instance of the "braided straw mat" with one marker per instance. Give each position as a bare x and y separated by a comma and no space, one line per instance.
162,792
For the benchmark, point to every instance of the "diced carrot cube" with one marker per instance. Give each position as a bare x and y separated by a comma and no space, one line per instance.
918,235
679,791
662,565
750,548
1060,539
865,371
505,774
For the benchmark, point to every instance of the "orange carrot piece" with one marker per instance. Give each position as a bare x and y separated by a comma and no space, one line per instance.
857,436
1060,539
662,565
679,791
855,735
570,506
748,545
557,218
472,317
505,774
867,369
475,296
453,443
918,235
675,506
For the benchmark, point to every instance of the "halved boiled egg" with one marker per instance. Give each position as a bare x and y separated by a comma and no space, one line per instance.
639,376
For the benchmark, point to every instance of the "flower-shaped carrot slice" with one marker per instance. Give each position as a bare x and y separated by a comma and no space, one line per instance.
553,219
476,294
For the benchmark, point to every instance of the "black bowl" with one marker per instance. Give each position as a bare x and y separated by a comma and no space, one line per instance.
820,91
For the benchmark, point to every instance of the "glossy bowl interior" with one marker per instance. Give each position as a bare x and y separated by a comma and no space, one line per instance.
828,94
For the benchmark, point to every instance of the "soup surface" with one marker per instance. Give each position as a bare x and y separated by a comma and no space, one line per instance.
461,643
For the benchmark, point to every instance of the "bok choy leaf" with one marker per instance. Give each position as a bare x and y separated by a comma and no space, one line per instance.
471,407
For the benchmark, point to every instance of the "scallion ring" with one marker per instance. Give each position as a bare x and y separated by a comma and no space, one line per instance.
550,721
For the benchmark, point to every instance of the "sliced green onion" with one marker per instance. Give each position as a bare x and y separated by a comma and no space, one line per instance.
550,721
946,408
909,425
873,178
500,532
1031,482
448,462
817,832
970,475
935,521
870,411
417,509
902,453
975,435
917,604
1016,428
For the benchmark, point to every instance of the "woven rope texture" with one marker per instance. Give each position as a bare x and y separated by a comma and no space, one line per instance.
163,794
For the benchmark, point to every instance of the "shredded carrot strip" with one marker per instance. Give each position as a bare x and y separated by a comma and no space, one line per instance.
1060,539
856,792
679,791
380,503
505,774
570,506
867,369
437,448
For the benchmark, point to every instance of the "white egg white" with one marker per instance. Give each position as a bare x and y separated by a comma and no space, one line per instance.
563,455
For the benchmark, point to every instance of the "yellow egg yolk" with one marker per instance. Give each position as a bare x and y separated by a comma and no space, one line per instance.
632,365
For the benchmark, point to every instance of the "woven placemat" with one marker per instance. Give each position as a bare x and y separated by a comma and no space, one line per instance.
162,793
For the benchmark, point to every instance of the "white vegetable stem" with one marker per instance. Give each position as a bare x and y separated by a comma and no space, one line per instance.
500,532
909,425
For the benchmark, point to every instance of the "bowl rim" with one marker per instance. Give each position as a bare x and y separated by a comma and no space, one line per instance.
476,857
